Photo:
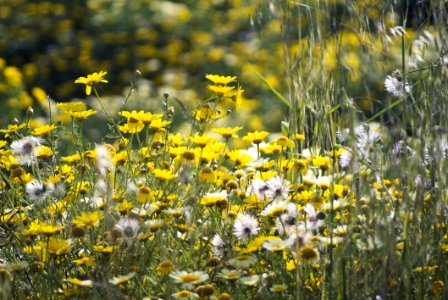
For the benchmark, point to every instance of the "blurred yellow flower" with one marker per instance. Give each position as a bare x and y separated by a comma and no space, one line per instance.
78,282
256,137
91,80
158,124
44,130
36,227
228,132
220,80
12,128
164,175
82,115
220,90
55,246
88,219
71,106
131,127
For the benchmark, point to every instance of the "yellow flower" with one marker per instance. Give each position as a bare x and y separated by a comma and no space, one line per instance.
158,124
164,175
205,112
71,106
55,246
219,199
133,116
87,261
78,282
240,158
206,174
299,137
122,279
165,267
44,130
88,219
228,132
91,80
72,159
148,117
43,152
103,248
37,227
308,253
220,90
202,140
237,98
82,115
284,142
256,137
124,206
131,127
120,158
12,128
322,162
220,80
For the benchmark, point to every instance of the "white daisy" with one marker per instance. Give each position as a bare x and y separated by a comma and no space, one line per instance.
277,189
104,160
278,245
128,226
245,226
316,220
288,221
258,187
275,209
218,245
37,191
346,159
188,279
396,87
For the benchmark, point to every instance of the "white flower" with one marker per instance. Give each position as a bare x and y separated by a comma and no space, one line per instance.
218,245
245,226
189,279
104,160
315,221
346,159
396,87
288,221
24,150
278,189
275,209
242,261
258,187
278,245
128,226
36,191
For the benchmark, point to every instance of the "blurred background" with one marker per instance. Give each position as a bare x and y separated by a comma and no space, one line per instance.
298,49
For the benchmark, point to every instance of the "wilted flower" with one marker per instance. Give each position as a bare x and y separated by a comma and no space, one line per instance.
24,150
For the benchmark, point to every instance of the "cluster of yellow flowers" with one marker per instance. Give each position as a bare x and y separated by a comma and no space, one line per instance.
147,211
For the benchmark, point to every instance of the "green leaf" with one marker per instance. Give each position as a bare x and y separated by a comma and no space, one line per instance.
277,93
384,110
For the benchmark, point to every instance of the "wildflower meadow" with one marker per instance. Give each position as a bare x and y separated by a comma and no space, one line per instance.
224,149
